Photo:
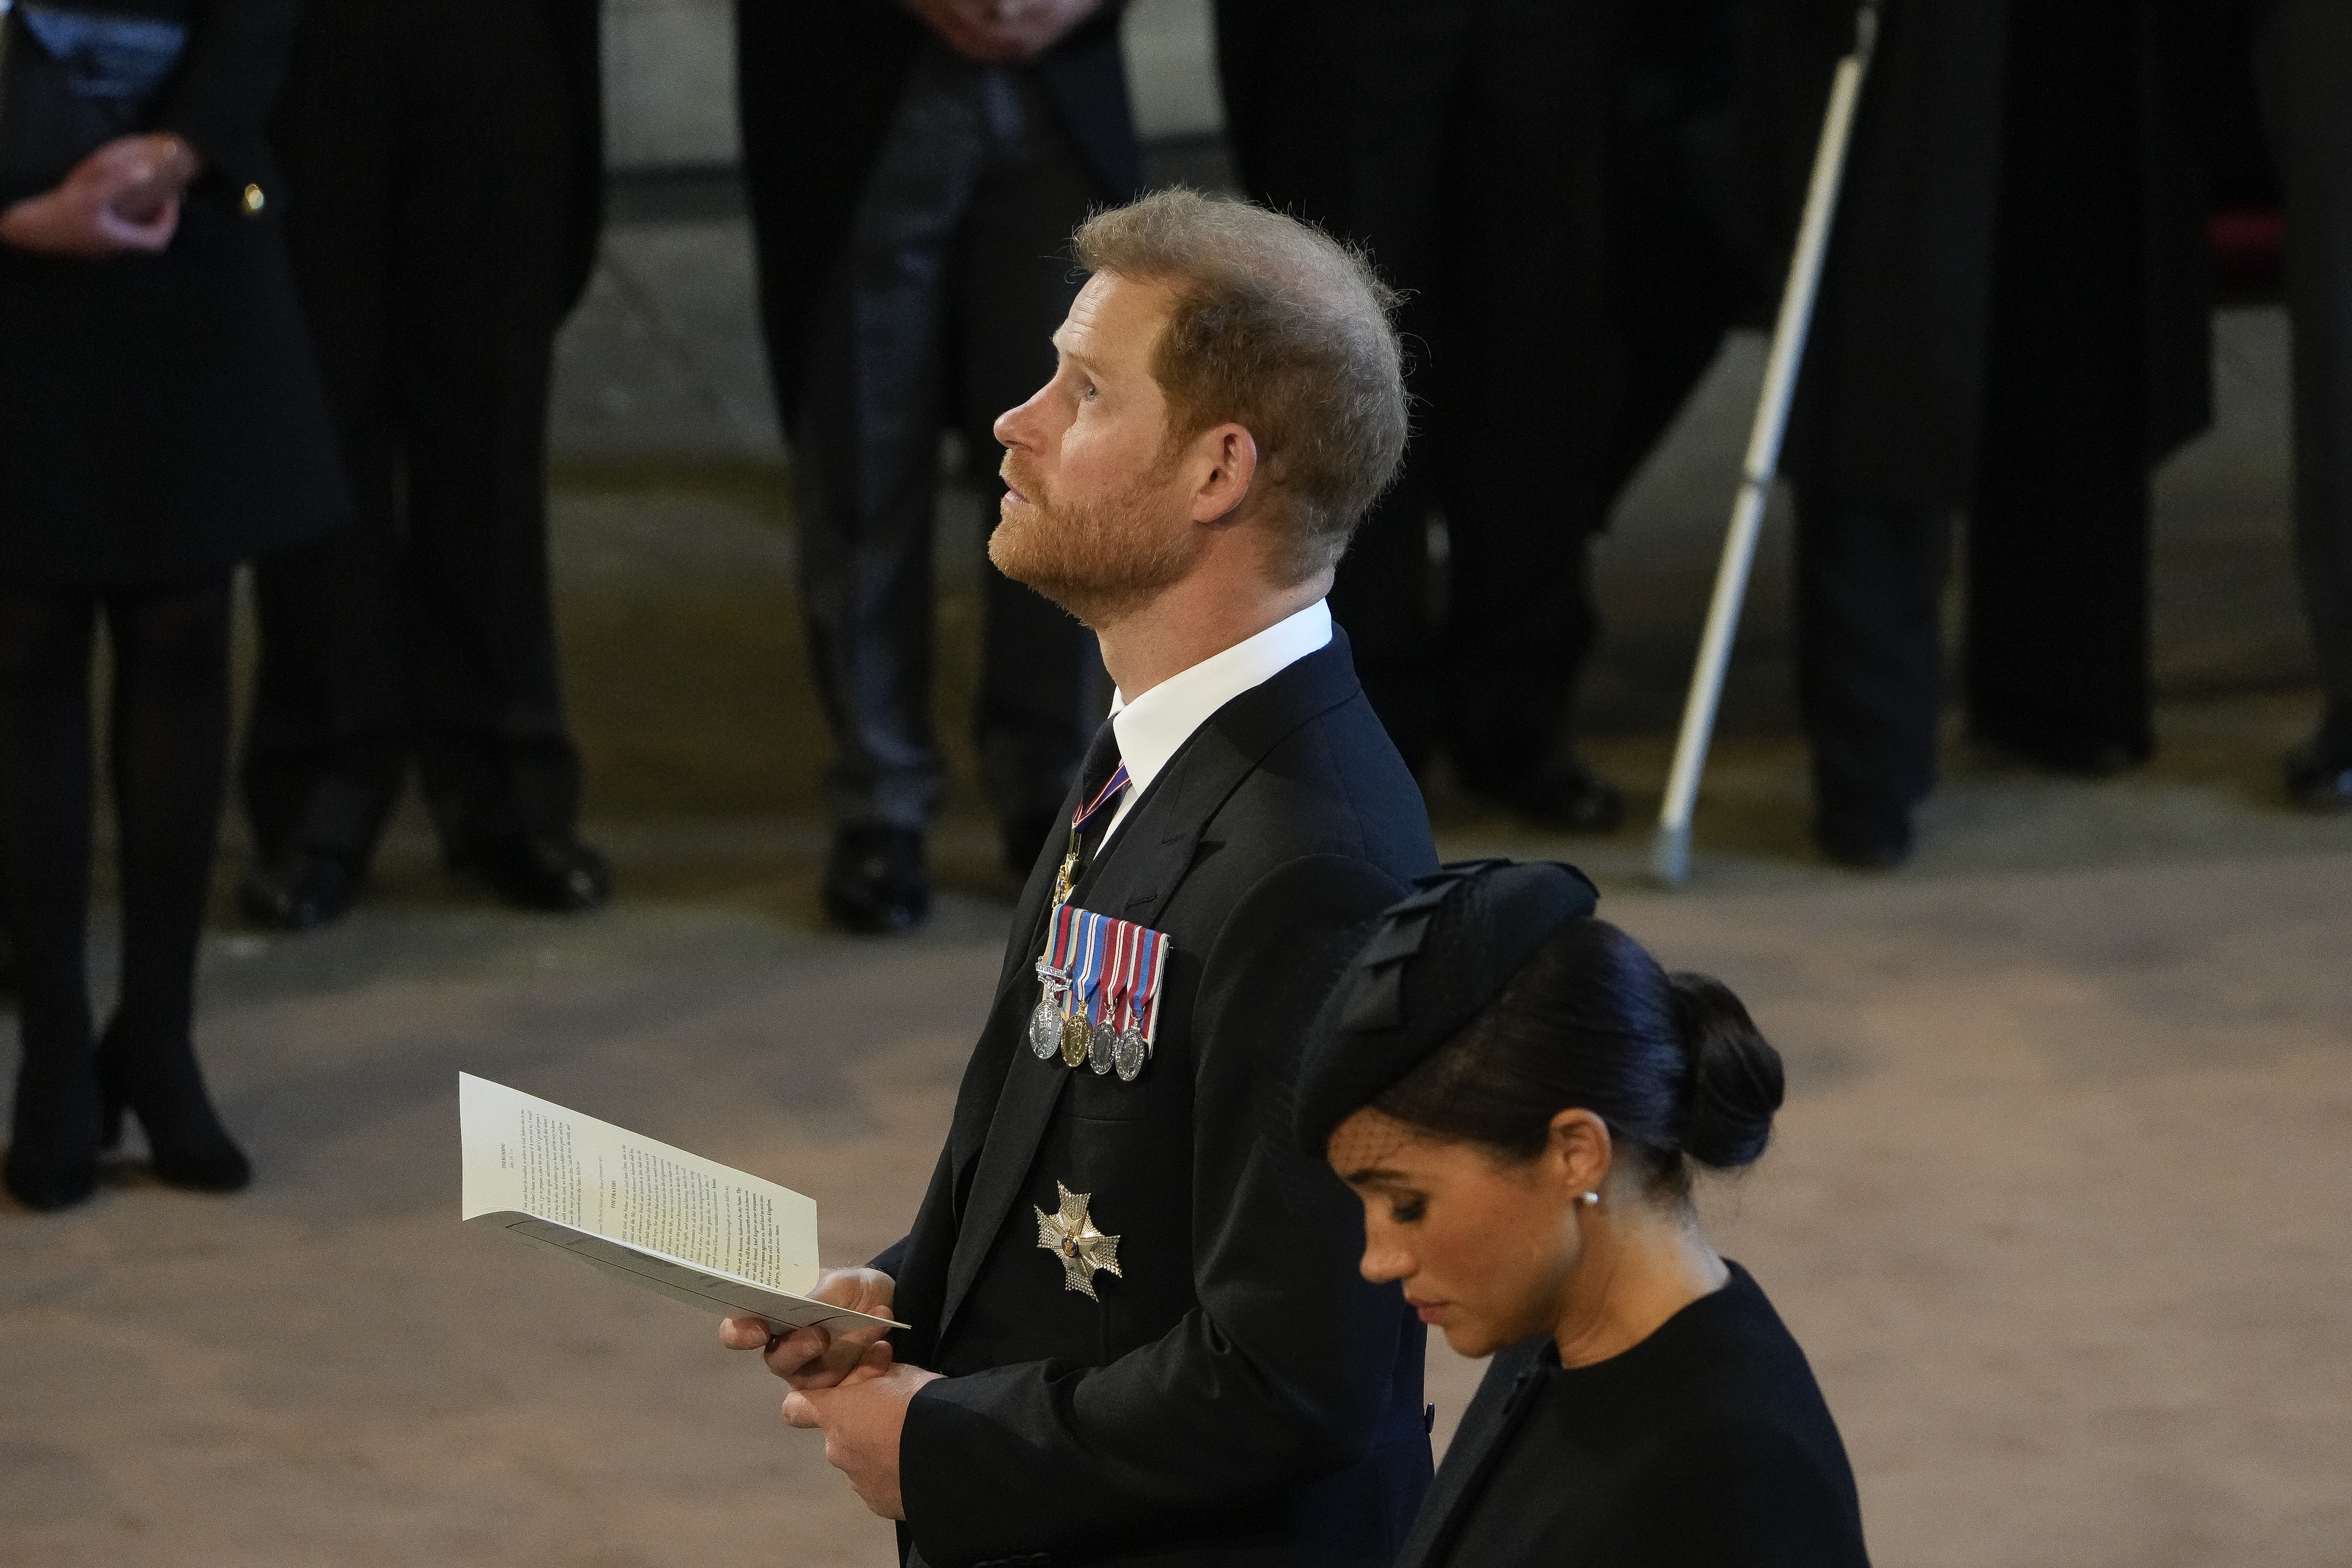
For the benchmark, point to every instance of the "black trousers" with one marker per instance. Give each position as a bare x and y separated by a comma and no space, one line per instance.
2303,61
428,155
2057,629
940,310
1460,140
169,759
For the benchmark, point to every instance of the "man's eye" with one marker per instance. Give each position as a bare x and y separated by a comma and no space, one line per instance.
1409,1211
1090,395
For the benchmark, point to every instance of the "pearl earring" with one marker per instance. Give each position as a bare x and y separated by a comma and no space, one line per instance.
1588,1199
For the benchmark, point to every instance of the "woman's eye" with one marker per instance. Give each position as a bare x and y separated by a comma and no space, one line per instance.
1409,1211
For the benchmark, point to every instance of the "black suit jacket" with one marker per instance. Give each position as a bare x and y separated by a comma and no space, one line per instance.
192,362
1240,1395
817,82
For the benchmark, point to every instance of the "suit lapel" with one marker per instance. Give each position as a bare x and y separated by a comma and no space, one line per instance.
1132,880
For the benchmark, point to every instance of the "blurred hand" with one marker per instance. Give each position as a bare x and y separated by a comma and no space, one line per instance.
817,1358
863,1420
1004,32
124,197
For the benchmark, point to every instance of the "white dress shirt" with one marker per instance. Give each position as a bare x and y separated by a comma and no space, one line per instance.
1155,726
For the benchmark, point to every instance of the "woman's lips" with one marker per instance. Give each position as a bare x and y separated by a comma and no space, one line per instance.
1428,1311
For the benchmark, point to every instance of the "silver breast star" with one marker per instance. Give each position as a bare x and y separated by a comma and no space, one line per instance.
1071,1236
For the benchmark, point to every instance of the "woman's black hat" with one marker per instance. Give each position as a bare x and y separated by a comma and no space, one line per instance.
1435,961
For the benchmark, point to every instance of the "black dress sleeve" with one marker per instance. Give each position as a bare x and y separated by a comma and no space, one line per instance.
1747,1494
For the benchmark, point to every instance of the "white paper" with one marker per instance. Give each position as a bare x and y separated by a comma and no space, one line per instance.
687,1228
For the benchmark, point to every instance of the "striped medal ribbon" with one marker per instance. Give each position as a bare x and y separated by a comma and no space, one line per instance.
1046,1019
1105,1008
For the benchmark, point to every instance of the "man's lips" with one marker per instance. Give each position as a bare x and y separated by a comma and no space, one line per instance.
1428,1311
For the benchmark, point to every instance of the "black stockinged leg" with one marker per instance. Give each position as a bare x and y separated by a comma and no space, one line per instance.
45,832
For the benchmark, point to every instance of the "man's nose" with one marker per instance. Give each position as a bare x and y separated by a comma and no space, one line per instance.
1015,426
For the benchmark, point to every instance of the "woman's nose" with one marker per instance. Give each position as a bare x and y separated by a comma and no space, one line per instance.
1382,1262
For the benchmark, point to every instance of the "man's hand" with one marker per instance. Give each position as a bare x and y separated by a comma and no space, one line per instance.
862,1419
816,1358
122,198
1003,32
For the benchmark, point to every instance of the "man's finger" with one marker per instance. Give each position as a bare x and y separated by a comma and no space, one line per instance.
800,1411
790,1353
743,1334
872,1363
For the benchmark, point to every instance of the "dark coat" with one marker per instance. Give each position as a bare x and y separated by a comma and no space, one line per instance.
817,81
160,415
1892,395
1706,1445
1239,1395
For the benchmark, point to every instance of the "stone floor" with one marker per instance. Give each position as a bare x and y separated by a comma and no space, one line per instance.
2057,1206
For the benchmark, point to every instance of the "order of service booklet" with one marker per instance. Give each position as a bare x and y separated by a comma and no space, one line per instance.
660,1218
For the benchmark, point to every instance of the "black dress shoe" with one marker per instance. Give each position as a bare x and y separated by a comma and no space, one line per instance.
875,880
1867,840
2076,756
52,1161
1026,838
45,1183
2319,776
162,1085
299,890
539,871
1569,798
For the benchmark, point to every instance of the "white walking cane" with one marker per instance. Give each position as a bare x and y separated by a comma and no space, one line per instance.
1670,850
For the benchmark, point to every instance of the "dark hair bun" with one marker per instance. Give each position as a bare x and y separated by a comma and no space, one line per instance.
1735,1082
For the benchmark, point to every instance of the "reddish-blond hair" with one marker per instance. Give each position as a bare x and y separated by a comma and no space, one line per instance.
1280,329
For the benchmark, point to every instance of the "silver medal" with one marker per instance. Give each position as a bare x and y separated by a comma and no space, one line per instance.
1099,1049
1127,1054
1045,1029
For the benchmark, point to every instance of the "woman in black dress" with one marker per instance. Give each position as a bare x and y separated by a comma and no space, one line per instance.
160,421
1519,1094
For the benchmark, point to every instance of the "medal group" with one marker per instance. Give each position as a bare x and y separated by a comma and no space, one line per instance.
1101,976
1101,1002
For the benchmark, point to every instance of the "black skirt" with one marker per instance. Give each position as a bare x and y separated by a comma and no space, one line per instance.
160,417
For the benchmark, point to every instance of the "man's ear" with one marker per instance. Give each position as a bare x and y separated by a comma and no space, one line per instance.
1224,463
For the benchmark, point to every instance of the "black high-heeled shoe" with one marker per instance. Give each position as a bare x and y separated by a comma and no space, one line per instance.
52,1161
187,1144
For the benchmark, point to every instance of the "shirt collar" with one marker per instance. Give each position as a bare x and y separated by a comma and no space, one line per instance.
1154,726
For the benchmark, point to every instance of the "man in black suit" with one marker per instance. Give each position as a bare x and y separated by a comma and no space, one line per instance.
1466,143
444,186
1227,402
2303,58
2014,320
913,172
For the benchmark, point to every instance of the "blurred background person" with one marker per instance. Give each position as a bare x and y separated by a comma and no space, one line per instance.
1544,180
2013,321
1522,1098
914,174
2303,70
444,164
162,422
